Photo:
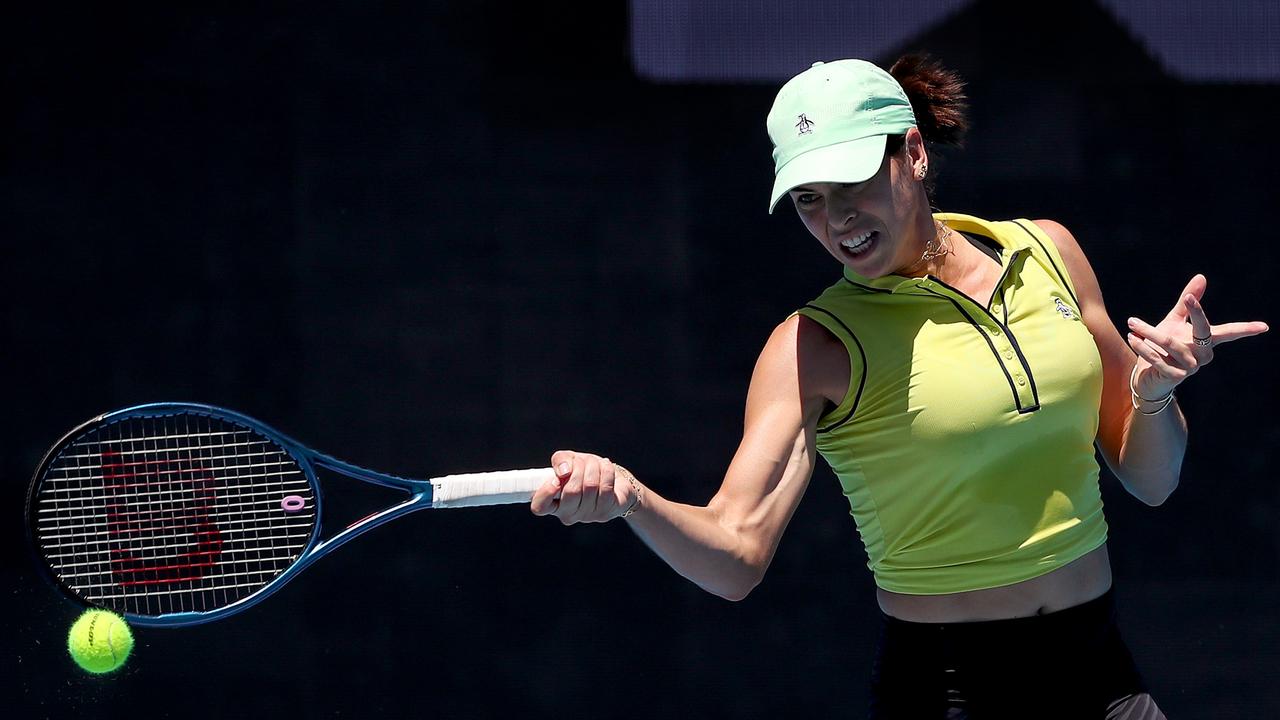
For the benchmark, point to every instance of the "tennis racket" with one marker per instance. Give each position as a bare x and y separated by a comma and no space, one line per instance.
176,514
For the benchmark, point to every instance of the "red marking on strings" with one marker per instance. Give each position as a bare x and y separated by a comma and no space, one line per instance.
165,581
178,566
154,530
147,520
208,496
197,542
125,486
147,462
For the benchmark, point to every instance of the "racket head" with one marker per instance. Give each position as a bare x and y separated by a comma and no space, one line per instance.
173,513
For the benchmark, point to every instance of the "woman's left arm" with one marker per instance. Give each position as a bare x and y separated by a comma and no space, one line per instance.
1143,447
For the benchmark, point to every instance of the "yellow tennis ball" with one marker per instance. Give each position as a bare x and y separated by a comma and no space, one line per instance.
99,641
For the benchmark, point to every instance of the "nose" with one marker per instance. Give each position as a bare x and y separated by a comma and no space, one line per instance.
840,214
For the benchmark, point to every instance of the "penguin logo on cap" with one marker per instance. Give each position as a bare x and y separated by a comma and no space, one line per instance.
805,125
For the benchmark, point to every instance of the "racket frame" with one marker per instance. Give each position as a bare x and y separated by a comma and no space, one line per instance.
420,498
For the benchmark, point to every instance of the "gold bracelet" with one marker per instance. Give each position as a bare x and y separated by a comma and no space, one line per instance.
635,486
1135,397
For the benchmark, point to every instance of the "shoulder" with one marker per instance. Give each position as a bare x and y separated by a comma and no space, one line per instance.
808,342
800,348
1067,245
1077,264
1057,232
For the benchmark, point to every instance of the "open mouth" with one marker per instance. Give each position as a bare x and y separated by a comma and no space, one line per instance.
860,244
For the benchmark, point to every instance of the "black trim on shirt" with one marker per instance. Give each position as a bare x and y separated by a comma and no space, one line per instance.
864,287
1000,288
861,382
990,249
1031,378
995,252
1017,402
1013,339
1065,284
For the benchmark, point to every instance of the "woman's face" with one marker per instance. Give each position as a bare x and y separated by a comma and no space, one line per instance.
867,226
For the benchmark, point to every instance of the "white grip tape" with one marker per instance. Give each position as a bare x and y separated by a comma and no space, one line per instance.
488,488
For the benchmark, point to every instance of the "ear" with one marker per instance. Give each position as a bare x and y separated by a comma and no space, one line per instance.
917,158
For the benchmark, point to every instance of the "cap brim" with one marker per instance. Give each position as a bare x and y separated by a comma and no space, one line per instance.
846,162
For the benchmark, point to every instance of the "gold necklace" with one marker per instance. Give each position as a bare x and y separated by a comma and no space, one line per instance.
941,247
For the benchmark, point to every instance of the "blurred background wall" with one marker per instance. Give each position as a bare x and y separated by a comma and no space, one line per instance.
453,236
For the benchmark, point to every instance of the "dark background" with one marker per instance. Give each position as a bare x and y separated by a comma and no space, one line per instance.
459,236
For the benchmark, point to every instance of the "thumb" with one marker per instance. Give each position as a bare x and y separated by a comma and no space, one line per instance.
562,463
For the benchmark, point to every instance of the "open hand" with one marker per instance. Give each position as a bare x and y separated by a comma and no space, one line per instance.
1168,353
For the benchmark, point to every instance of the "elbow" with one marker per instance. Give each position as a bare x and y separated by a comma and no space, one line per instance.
1158,499
732,595
1154,494
740,590
741,561
747,571
1153,501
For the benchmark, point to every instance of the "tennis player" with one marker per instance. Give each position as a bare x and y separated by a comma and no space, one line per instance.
956,378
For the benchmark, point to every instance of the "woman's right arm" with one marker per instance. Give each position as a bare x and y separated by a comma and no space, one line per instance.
725,546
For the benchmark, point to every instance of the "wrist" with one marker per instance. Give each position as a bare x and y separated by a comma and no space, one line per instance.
637,501
1145,405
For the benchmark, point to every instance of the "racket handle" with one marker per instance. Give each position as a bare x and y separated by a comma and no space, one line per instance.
488,488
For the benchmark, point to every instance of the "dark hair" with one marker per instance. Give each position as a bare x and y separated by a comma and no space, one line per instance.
938,100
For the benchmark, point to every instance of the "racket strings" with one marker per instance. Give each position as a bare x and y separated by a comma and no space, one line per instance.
169,514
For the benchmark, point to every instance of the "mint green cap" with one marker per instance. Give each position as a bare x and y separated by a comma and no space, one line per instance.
829,123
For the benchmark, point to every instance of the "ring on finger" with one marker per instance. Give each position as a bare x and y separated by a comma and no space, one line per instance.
1203,342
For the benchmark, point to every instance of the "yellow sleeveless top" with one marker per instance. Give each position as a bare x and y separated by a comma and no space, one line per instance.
965,442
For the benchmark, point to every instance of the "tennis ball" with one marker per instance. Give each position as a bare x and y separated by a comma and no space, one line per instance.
99,641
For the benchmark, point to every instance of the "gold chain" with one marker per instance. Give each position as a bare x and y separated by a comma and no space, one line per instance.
941,247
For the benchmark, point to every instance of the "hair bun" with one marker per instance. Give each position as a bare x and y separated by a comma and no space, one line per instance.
937,97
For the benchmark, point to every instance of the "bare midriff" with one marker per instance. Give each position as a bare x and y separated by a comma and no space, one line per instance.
1075,583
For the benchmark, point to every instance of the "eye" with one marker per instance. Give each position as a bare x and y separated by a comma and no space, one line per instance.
806,198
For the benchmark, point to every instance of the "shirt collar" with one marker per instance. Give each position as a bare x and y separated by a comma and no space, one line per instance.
1011,246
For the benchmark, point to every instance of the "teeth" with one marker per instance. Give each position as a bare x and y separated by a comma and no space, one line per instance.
856,241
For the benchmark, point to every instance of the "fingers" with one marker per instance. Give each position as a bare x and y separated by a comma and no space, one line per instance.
1200,327
1171,348
1173,351
585,484
1171,361
1190,308
579,496
608,477
571,489
1228,332
546,499
1159,377
1195,288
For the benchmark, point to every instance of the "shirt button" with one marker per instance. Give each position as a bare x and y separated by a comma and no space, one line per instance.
1008,354
995,331
1021,380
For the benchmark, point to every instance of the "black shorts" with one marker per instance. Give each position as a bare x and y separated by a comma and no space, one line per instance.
1067,664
